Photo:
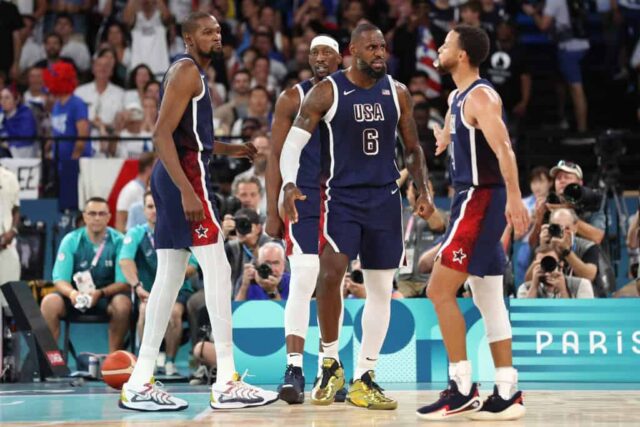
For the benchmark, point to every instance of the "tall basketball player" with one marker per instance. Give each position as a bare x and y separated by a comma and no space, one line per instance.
186,221
301,237
485,176
362,109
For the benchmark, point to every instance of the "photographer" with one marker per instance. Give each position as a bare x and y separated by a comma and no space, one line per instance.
632,289
570,193
265,280
548,280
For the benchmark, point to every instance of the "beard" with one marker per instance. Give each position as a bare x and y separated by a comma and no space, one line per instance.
368,70
442,68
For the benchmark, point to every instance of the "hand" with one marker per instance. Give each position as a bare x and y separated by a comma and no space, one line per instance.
356,289
243,151
520,109
291,194
528,9
6,239
248,275
442,140
228,225
192,206
142,294
274,227
536,274
73,296
553,207
563,243
545,238
95,297
556,279
517,215
424,206
270,284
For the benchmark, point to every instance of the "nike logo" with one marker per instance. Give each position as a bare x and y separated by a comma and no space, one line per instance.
394,191
370,359
347,92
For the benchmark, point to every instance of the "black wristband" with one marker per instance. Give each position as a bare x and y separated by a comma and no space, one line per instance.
565,253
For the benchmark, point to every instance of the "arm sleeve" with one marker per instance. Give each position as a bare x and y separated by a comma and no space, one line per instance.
63,266
290,158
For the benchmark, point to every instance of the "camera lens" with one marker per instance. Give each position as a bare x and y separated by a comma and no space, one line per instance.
264,271
553,199
243,225
573,193
555,230
548,264
357,276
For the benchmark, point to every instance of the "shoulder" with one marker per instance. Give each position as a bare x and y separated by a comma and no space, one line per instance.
84,89
115,89
583,244
115,236
483,98
400,87
72,239
133,235
289,99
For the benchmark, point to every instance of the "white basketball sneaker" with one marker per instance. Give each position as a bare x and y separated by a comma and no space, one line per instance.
236,394
150,397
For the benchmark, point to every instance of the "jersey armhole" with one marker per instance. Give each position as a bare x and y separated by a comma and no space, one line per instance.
301,94
464,121
394,92
334,106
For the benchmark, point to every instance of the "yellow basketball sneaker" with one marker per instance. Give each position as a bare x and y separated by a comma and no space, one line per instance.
324,392
365,393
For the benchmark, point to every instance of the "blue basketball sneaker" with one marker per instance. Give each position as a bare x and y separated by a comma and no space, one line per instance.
495,408
451,404
292,390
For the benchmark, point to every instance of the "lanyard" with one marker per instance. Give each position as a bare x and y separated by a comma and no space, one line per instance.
96,257
150,236
407,232
247,252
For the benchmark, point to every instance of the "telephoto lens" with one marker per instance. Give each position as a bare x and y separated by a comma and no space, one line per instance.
548,264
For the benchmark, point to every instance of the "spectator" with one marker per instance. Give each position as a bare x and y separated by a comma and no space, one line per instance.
249,192
548,280
491,15
573,45
52,49
175,44
262,41
134,190
259,107
152,90
69,115
73,46
217,91
138,79
134,127
266,280
300,58
16,120
10,25
351,13
31,50
632,289
35,94
139,263
115,36
261,76
238,103
88,255
271,19
146,19
507,70
259,166
353,283
442,17
470,13
119,71
419,237
9,222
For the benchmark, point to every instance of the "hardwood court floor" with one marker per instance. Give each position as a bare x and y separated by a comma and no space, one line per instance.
92,406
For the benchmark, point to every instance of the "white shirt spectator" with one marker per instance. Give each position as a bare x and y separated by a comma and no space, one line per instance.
104,105
149,43
558,10
79,52
133,149
131,193
180,9
31,53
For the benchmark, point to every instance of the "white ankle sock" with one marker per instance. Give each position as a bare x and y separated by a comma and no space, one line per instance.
461,373
330,349
507,381
320,357
294,359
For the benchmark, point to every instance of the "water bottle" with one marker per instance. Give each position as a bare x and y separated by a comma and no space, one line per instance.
93,366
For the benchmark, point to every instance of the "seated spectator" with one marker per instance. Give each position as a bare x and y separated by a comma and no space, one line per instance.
419,237
16,120
52,52
119,73
265,280
73,45
147,20
259,166
152,90
134,190
549,281
261,76
35,95
259,108
236,107
139,263
115,37
86,257
134,119
249,192
138,79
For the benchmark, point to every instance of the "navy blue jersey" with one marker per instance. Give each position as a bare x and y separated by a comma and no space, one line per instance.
358,144
195,129
473,162
309,170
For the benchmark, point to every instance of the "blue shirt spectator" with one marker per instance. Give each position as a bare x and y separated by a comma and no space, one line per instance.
16,120
266,279
67,116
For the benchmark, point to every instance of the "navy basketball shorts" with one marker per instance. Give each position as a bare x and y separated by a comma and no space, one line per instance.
173,231
472,241
364,221
302,237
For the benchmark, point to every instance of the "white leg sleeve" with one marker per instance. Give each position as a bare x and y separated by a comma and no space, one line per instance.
216,273
375,317
488,297
304,273
172,265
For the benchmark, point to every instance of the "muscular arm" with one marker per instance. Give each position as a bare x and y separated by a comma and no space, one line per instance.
130,271
414,157
285,112
82,127
590,232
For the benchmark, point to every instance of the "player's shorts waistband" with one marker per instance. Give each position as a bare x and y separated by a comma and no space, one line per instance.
462,187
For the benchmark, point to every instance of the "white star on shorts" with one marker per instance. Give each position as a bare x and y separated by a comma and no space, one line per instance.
459,255
202,232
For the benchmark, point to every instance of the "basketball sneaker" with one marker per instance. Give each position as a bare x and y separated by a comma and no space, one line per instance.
237,394
451,404
495,408
324,392
341,395
366,393
150,397
292,391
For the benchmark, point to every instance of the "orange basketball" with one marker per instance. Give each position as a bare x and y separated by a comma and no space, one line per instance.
117,368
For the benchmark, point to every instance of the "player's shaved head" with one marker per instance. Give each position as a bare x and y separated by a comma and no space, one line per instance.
190,24
362,28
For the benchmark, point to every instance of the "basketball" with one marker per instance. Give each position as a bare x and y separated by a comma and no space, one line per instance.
117,368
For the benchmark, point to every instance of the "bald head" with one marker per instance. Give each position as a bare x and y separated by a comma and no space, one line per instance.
566,218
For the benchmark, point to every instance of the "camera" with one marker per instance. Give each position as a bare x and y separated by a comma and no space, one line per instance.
243,225
357,276
583,198
264,271
83,302
553,199
555,230
548,264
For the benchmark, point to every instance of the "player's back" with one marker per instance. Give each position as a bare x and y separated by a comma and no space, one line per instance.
195,129
358,143
309,170
473,162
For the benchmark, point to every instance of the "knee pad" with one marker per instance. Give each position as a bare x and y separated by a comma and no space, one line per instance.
488,297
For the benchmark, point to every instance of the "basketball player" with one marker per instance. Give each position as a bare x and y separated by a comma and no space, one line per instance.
187,222
485,176
361,108
301,237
